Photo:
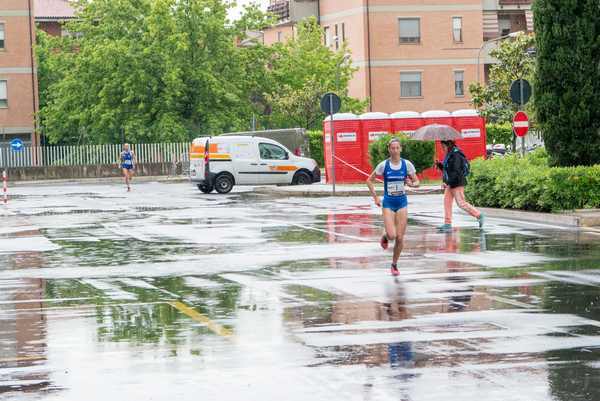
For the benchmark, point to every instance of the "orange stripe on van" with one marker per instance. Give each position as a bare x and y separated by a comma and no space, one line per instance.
212,148
212,156
285,168
220,156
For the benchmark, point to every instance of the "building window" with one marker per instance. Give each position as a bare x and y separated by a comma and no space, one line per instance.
1,36
336,38
504,25
457,29
410,30
459,83
3,94
410,84
327,32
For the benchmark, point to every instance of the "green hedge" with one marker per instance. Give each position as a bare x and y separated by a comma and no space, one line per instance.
420,153
315,144
499,133
529,184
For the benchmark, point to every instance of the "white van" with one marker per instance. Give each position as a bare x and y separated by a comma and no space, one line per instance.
247,160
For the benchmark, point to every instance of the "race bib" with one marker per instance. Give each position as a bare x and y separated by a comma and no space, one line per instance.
395,188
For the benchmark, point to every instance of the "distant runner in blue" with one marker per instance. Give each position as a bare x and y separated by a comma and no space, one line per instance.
396,173
128,162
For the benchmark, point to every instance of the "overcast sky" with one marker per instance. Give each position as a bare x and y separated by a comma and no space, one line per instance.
235,12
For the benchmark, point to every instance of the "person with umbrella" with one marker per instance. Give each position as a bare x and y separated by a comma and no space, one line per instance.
454,174
396,173
455,169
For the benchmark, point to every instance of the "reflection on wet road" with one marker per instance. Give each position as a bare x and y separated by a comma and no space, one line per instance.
169,294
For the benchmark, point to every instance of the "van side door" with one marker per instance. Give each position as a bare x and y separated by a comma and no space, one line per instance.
246,163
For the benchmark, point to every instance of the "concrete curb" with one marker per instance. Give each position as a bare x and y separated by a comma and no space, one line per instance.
584,218
105,180
325,190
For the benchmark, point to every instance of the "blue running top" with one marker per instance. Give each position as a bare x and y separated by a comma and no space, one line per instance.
393,180
127,159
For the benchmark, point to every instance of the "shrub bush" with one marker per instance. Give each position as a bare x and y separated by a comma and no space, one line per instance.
499,133
420,153
315,145
529,184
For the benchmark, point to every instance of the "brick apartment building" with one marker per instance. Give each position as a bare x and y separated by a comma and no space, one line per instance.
18,80
18,75
411,55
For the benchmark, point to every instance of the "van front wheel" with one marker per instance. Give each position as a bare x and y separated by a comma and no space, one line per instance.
302,178
224,183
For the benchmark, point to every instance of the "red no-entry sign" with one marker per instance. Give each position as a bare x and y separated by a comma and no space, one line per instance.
520,124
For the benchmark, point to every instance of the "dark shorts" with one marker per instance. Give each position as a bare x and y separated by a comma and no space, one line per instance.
395,203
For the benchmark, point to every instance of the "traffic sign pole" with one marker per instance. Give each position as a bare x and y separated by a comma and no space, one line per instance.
520,109
520,93
330,104
332,129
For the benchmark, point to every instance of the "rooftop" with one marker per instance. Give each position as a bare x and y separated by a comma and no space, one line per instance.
53,10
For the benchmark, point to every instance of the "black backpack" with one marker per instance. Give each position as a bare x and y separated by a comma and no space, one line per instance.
466,164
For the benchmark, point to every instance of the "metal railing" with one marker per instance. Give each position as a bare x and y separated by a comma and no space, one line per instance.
42,156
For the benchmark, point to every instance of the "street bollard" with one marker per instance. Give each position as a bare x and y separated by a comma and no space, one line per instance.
5,187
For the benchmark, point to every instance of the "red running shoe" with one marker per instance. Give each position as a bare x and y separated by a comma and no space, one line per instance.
384,242
394,269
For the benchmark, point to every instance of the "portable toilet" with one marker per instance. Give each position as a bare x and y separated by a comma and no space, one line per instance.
348,148
436,117
472,128
373,126
406,121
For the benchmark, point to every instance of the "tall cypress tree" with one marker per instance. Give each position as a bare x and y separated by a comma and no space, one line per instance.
567,84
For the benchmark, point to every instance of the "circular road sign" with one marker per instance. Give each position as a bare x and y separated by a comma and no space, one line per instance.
520,124
515,91
16,145
330,103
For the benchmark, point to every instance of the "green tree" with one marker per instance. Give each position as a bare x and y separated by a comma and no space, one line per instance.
567,84
493,100
54,59
162,70
303,70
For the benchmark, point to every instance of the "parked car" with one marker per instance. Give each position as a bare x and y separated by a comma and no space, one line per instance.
497,150
247,160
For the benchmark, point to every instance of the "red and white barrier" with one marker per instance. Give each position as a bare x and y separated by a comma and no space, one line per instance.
4,187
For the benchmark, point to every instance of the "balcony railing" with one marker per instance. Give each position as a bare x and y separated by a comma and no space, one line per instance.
515,2
281,9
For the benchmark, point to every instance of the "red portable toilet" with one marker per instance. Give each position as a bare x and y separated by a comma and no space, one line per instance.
472,127
373,126
436,117
348,148
406,121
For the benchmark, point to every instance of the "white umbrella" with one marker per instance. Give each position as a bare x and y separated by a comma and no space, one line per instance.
436,132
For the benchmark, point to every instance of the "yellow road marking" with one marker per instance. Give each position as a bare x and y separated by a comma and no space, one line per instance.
199,317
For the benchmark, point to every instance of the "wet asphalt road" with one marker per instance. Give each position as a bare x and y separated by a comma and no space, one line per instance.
168,294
